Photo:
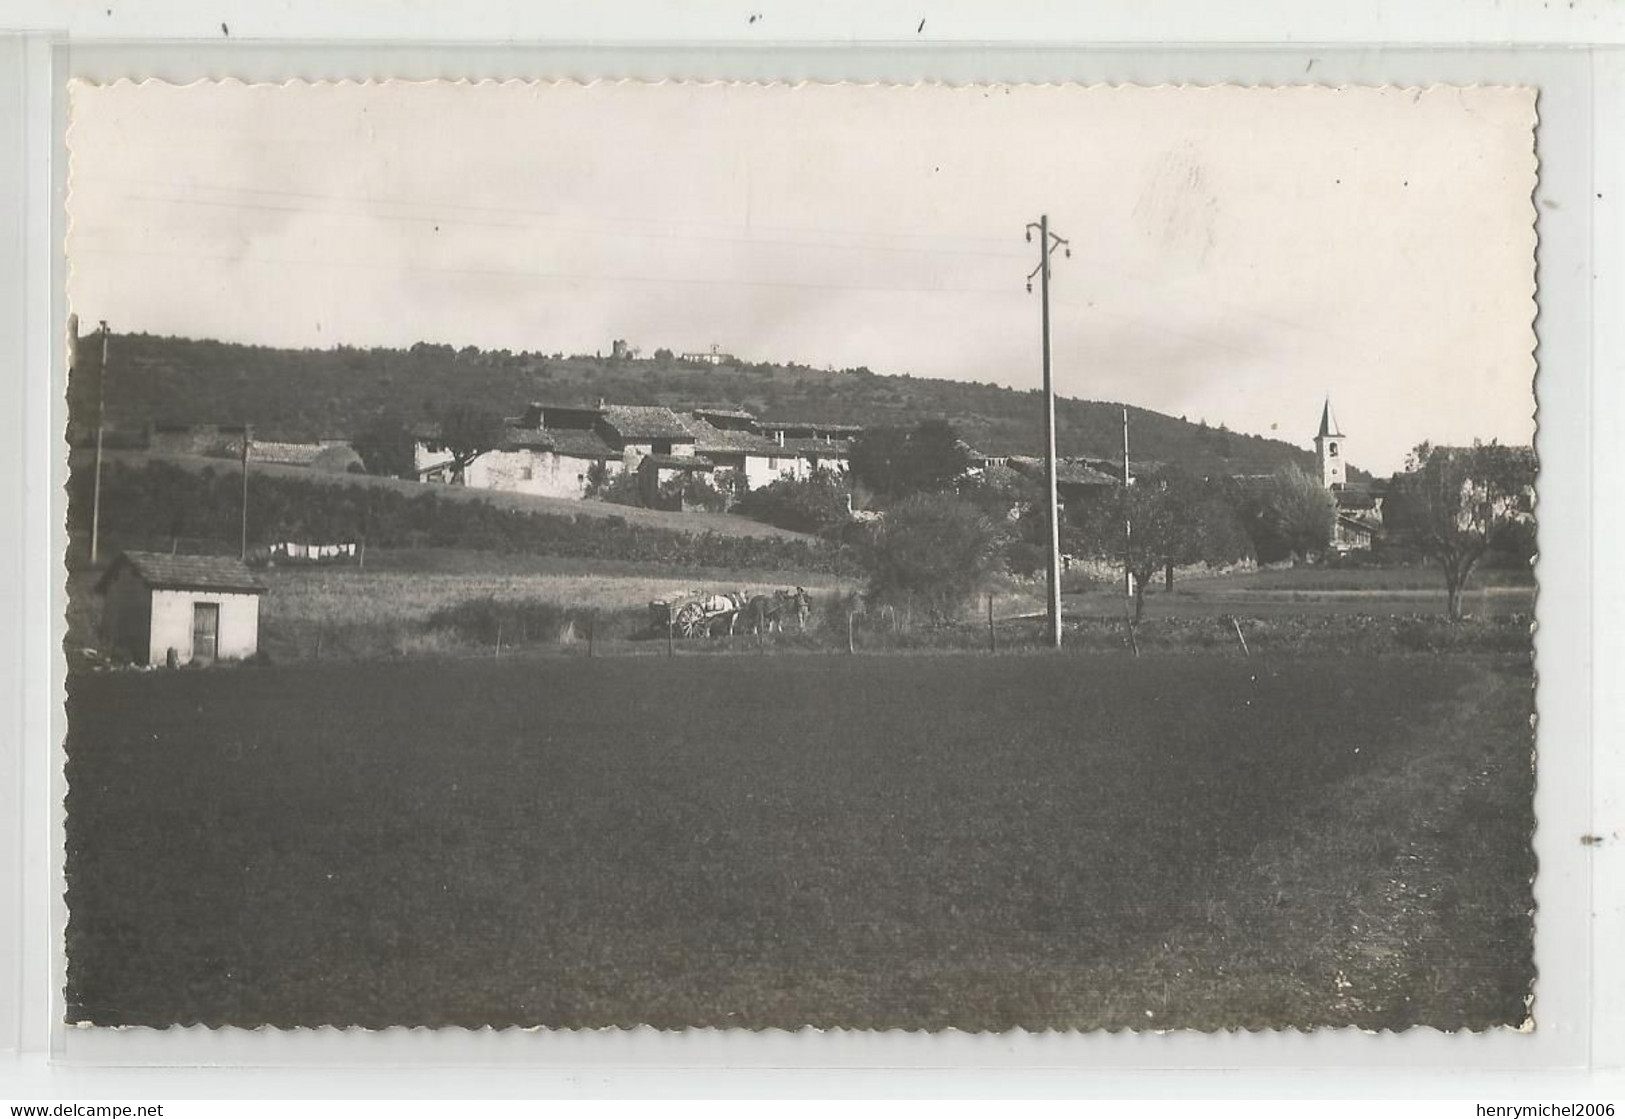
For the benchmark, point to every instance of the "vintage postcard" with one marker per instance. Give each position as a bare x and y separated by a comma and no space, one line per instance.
850,556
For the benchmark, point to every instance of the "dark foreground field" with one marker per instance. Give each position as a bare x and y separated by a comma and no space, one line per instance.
1074,841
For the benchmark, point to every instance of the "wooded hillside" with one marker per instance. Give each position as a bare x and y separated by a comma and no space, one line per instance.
296,394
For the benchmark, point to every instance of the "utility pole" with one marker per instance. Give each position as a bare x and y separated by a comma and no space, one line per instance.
1128,522
248,435
101,422
1047,243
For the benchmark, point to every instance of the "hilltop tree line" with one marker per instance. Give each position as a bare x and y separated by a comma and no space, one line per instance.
345,391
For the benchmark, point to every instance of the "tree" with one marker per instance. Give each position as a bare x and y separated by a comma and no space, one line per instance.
1292,515
1457,503
385,446
1163,521
896,462
934,551
468,431
878,459
936,457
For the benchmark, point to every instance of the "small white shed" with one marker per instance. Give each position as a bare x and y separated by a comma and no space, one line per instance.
205,608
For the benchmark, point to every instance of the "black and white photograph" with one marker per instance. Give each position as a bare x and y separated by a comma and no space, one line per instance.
764,555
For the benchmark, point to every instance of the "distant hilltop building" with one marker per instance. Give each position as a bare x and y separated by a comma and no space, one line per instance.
713,356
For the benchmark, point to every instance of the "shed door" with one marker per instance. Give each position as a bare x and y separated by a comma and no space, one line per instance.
205,631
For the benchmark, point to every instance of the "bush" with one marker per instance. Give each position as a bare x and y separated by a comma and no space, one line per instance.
817,504
933,552
1024,559
482,621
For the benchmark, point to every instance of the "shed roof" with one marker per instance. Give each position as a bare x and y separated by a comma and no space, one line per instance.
162,571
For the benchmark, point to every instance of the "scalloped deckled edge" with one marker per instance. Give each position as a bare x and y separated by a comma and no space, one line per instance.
834,1034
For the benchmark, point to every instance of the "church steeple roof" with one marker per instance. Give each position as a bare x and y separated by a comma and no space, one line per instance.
1328,423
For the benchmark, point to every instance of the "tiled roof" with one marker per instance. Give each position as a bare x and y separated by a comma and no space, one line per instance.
1068,472
580,444
820,448
710,438
289,454
810,425
637,422
676,462
724,413
195,573
526,438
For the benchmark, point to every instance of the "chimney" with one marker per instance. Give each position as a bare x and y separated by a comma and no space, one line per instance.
778,437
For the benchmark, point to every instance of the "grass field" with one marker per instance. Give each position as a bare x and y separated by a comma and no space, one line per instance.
1317,592
904,841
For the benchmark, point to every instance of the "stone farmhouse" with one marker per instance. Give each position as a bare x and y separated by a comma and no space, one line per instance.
565,450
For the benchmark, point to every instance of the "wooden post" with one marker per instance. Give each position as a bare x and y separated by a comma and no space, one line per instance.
851,645
248,434
592,633
101,422
670,645
1240,636
992,634
1134,637
362,558
318,644
499,637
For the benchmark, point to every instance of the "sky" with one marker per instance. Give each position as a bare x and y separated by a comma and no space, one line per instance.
1237,255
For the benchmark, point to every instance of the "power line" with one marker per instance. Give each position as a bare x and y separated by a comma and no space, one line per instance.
703,281
444,205
437,221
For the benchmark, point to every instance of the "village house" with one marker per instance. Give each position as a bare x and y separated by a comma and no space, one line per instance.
814,445
559,450
180,609
549,451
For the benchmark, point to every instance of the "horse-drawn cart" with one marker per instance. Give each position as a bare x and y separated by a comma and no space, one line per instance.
703,614
697,614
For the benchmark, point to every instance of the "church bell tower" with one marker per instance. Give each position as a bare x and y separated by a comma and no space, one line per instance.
1329,450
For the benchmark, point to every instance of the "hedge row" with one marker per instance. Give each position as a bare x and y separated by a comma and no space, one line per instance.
153,504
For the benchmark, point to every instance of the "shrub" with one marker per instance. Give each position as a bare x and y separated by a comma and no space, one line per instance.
934,552
817,504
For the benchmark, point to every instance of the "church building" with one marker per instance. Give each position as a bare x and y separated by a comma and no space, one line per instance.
1359,504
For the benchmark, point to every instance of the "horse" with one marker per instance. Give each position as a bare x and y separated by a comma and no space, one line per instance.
764,613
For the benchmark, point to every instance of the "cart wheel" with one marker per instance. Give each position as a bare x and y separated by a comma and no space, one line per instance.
691,620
